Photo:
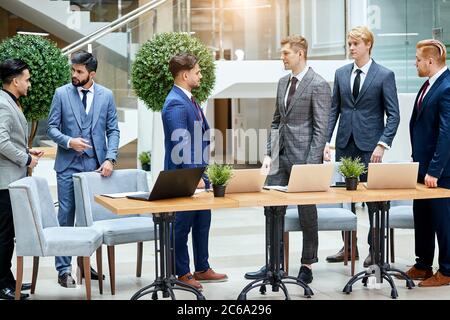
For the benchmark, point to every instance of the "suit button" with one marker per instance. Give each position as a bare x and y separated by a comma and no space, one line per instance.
354,109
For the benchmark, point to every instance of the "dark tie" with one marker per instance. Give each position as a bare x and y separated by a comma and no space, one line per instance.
357,83
291,91
84,100
422,94
199,111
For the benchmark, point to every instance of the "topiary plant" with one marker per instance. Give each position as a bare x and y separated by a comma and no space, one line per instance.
151,78
49,69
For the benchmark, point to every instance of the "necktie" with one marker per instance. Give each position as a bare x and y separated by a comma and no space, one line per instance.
422,94
84,100
357,83
291,91
199,111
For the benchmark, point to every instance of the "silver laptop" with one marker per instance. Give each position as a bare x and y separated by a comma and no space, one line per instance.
308,178
398,175
246,180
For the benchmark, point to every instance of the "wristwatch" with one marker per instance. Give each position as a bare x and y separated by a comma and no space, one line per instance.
113,161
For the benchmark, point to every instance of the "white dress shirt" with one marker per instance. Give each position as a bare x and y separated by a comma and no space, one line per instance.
189,94
364,69
299,77
433,79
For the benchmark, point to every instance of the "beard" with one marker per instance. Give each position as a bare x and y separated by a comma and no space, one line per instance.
79,83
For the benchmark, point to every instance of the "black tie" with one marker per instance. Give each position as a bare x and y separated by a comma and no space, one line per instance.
291,91
84,100
357,83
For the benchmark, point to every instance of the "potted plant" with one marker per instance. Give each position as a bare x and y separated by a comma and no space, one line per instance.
145,158
351,169
219,175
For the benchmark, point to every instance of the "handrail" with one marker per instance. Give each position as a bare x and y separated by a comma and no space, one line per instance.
114,25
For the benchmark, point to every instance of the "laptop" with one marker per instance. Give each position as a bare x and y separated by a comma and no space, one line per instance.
246,180
398,175
172,184
308,178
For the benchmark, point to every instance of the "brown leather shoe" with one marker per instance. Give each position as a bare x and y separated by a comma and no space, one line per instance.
417,274
189,279
339,257
210,276
438,279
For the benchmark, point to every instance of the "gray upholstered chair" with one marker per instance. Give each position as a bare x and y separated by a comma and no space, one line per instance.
38,233
330,217
116,229
400,217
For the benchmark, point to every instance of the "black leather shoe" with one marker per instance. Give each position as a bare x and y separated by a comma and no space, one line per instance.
367,262
66,281
94,274
261,273
305,275
26,286
10,294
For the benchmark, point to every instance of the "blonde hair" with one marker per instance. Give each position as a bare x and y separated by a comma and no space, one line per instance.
297,42
362,33
431,48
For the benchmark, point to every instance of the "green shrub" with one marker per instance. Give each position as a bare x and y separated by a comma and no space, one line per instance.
151,78
219,174
351,168
145,157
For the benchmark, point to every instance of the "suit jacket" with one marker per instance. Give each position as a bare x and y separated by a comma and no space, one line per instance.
364,117
184,130
302,126
64,122
13,142
430,130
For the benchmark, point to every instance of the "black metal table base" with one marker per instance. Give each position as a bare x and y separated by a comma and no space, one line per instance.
166,281
275,275
379,255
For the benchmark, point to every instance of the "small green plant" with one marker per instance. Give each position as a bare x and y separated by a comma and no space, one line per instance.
145,157
351,168
219,174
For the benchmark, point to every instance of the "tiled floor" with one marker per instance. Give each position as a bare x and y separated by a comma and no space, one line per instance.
237,246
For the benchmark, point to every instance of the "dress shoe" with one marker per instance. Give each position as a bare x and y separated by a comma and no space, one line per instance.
261,273
10,294
188,278
26,286
438,279
210,276
94,274
367,261
417,274
305,275
339,257
66,281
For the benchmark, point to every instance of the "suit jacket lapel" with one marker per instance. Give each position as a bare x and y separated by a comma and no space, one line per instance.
371,74
301,87
284,82
74,99
346,81
20,115
430,93
95,107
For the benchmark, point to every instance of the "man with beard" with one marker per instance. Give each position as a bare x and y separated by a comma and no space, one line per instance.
83,122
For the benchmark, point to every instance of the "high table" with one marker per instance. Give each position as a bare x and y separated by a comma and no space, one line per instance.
380,235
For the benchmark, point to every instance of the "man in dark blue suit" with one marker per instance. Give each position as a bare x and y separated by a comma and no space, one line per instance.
185,127
430,140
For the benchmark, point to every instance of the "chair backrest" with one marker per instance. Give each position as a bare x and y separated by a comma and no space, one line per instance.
33,211
89,184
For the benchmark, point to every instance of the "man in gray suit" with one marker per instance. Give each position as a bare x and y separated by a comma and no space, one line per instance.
364,92
83,122
15,157
298,136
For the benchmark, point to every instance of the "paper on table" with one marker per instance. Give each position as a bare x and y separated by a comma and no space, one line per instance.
122,194
279,188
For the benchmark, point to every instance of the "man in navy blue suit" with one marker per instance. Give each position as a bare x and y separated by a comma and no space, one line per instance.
430,141
185,125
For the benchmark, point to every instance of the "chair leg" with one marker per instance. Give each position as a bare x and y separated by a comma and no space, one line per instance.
346,234
80,270
99,269
19,278
392,244
140,248
112,271
353,252
286,251
35,274
87,276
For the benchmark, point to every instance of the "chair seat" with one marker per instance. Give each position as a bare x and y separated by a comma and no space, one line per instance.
126,230
63,241
327,218
401,217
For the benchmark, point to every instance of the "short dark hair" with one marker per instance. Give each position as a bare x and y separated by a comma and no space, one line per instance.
11,68
181,62
85,58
